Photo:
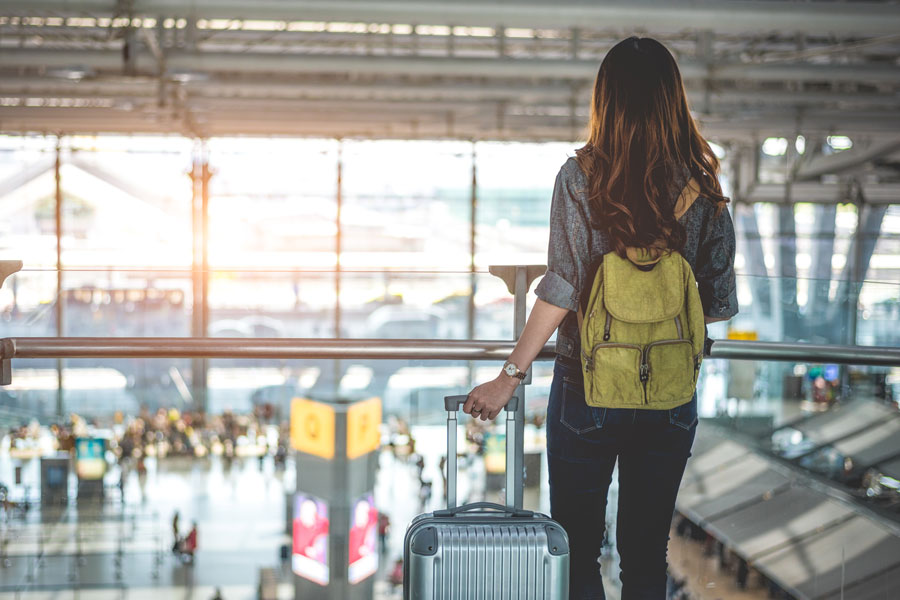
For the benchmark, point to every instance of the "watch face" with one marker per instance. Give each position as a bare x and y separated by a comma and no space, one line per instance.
511,369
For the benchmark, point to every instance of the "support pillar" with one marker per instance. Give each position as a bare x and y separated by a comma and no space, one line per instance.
820,273
746,172
473,278
334,517
473,214
755,260
60,292
200,176
787,270
787,252
862,246
338,245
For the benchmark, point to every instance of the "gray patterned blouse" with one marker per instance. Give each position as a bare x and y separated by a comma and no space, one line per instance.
575,248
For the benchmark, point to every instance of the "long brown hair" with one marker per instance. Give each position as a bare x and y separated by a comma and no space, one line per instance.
642,138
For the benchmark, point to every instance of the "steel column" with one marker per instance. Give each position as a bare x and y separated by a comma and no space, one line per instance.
473,278
862,245
339,198
200,270
787,269
822,253
337,240
472,246
60,295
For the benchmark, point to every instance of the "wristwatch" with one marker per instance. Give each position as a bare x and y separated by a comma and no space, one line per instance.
513,371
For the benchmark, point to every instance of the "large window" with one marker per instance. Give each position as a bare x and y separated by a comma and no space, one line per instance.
129,224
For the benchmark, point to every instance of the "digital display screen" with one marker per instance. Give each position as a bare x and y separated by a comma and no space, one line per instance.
310,548
363,533
56,476
90,460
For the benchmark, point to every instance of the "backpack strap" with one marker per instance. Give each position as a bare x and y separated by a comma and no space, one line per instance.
688,195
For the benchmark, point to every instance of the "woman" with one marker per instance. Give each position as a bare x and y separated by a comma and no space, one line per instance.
620,191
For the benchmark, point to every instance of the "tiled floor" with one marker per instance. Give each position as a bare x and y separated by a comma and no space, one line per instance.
120,549
704,580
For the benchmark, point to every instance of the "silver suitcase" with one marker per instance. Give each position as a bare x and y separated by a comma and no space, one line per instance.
484,551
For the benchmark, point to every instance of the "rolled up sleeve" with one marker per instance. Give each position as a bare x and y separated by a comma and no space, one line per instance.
715,268
568,249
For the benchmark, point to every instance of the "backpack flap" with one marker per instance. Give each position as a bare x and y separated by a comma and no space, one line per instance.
633,295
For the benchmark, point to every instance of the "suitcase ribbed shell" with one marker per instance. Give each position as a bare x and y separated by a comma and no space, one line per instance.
488,561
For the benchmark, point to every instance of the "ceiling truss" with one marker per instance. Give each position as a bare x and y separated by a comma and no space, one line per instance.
426,68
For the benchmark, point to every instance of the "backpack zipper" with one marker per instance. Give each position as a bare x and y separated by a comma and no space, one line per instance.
589,361
644,371
614,345
606,327
645,366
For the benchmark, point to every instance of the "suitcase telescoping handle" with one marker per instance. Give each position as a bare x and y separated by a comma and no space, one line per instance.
452,404
515,512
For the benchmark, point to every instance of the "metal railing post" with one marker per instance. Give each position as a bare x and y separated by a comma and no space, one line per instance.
518,279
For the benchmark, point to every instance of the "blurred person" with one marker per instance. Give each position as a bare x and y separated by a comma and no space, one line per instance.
442,466
420,467
425,494
189,546
619,194
123,475
176,534
384,528
280,455
396,576
261,459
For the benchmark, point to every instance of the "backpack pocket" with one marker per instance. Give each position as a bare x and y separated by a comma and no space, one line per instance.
614,381
670,371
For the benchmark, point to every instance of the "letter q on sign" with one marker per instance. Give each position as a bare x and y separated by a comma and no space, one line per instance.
312,427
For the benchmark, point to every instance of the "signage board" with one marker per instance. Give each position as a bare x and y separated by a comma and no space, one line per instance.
363,427
312,427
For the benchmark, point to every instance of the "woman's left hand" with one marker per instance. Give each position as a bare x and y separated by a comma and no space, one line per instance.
488,399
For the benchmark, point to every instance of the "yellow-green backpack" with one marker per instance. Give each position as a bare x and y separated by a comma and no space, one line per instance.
643,332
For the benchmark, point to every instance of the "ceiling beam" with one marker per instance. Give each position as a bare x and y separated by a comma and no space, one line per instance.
330,119
824,193
837,18
847,160
428,66
251,87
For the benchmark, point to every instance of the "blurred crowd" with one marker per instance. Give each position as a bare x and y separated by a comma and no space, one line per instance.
165,432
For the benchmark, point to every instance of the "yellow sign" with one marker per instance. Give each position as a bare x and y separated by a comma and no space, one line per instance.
739,334
363,427
312,427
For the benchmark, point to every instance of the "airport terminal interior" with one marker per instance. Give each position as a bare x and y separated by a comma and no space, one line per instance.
261,241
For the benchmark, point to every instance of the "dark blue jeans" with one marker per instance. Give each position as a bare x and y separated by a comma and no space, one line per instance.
583,444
